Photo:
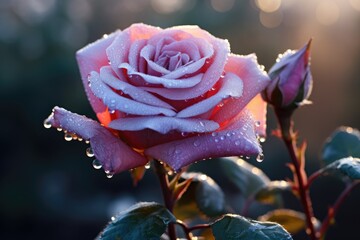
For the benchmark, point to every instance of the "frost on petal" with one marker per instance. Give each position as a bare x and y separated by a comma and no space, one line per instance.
115,156
239,138
126,105
254,79
91,58
139,95
231,86
167,83
164,124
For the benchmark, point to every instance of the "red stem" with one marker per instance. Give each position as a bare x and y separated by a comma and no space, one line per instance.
289,139
334,209
167,194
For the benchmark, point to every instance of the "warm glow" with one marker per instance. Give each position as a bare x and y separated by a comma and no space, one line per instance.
271,20
355,4
168,6
327,12
268,5
222,5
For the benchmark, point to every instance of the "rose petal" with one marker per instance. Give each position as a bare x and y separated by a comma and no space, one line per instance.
168,83
232,86
148,53
118,51
238,139
139,95
209,79
92,58
257,107
115,101
164,124
114,155
255,80
134,53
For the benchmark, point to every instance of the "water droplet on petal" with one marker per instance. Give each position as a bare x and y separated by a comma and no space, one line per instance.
109,175
216,140
147,165
262,139
197,143
47,124
113,218
228,134
87,141
214,134
89,152
260,157
257,123
68,137
237,143
222,138
201,123
96,164
59,129
184,134
247,157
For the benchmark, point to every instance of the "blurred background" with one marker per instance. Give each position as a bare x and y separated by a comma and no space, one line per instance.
48,188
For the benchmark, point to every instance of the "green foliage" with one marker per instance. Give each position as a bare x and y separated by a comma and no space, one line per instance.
248,178
343,142
203,196
142,221
235,227
270,193
291,220
349,167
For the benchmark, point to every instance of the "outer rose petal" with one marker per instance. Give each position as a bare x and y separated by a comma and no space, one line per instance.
114,155
163,124
92,58
257,107
238,138
254,79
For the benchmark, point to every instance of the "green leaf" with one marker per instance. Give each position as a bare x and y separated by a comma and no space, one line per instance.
343,142
146,220
291,220
248,178
270,193
208,197
349,167
235,227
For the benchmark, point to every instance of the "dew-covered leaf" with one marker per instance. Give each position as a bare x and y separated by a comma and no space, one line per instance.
349,167
146,220
343,142
248,178
235,227
291,220
203,196
270,193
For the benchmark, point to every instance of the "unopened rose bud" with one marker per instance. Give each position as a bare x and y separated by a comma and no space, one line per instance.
291,83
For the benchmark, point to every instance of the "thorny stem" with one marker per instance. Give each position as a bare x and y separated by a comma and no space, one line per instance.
333,210
289,139
167,194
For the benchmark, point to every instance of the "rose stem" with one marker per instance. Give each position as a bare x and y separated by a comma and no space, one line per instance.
167,194
333,210
289,138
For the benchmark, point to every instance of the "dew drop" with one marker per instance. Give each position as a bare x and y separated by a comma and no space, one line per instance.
260,157
147,165
222,138
113,218
68,137
214,134
197,143
79,139
247,157
257,123
87,141
126,106
184,134
237,143
112,111
59,129
47,124
262,139
89,152
228,134
202,124
170,172
109,175
96,164
216,140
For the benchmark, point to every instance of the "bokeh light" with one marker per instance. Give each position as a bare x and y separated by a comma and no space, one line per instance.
222,5
272,19
268,5
327,12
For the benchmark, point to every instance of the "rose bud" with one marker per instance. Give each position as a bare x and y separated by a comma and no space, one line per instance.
291,80
176,95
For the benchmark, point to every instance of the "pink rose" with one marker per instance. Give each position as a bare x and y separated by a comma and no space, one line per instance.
177,95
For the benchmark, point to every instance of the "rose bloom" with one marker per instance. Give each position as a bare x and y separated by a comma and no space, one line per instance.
176,95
